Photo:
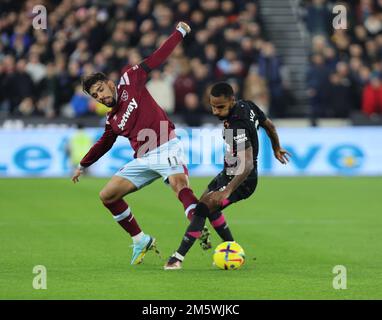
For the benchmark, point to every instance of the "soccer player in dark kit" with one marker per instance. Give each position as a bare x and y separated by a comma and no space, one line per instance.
238,180
158,152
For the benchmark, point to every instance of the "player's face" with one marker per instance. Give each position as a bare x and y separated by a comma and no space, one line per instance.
103,92
221,106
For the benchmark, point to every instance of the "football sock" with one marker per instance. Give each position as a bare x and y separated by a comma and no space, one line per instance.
138,237
217,220
189,201
195,228
122,214
176,257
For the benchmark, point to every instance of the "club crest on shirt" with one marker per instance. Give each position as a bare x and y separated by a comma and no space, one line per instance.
226,124
124,95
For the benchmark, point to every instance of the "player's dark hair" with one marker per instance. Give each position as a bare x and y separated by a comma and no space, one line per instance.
222,89
91,79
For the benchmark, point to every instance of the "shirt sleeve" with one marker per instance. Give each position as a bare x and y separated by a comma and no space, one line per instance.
102,146
161,54
137,76
260,114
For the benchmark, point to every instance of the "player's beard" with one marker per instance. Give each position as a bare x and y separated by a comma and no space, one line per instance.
111,104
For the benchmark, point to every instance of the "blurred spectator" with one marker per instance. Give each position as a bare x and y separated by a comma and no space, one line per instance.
341,95
372,96
35,68
192,110
161,88
373,24
365,9
317,79
229,65
345,75
47,89
269,69
19,86
201,75
87,36
26,107
318,18
255,89
80,102
183,84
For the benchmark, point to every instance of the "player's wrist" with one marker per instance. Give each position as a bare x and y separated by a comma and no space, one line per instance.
81,168
182,31
183,28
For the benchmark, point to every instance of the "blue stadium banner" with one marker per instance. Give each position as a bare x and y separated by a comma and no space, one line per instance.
315,151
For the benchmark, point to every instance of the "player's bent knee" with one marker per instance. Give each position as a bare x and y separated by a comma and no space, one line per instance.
106,197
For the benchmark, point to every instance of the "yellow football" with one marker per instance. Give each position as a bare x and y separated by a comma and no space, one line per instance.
229,255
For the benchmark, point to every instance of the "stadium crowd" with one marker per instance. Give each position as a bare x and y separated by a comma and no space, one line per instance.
345,73
40,70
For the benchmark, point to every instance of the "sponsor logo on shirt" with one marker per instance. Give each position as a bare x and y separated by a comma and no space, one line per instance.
240,138
130,108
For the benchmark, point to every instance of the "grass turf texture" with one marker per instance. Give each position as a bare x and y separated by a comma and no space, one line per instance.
297,229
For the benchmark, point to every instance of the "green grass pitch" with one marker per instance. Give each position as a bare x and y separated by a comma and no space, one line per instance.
293,230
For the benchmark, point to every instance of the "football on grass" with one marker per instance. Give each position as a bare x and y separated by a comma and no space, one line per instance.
229,255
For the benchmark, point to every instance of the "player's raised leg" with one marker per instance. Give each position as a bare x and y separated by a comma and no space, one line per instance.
112,198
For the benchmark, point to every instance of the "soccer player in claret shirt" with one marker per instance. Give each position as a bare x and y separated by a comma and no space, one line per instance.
238,179
158,152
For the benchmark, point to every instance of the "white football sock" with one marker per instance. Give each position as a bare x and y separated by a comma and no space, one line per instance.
138,237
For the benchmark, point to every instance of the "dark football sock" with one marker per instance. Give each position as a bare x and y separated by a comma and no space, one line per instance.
124,216
195,228
217,220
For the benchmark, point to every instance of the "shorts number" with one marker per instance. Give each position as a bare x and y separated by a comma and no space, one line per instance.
172,161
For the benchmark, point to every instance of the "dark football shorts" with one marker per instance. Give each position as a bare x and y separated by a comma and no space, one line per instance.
242,192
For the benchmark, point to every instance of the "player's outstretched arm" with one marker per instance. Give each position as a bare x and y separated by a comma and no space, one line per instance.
162,53
279,153
102,146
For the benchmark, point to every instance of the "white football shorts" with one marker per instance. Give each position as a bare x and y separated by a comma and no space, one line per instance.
164,161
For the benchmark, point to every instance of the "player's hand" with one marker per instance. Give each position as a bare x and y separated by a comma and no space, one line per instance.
183,27
282,155
76,175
